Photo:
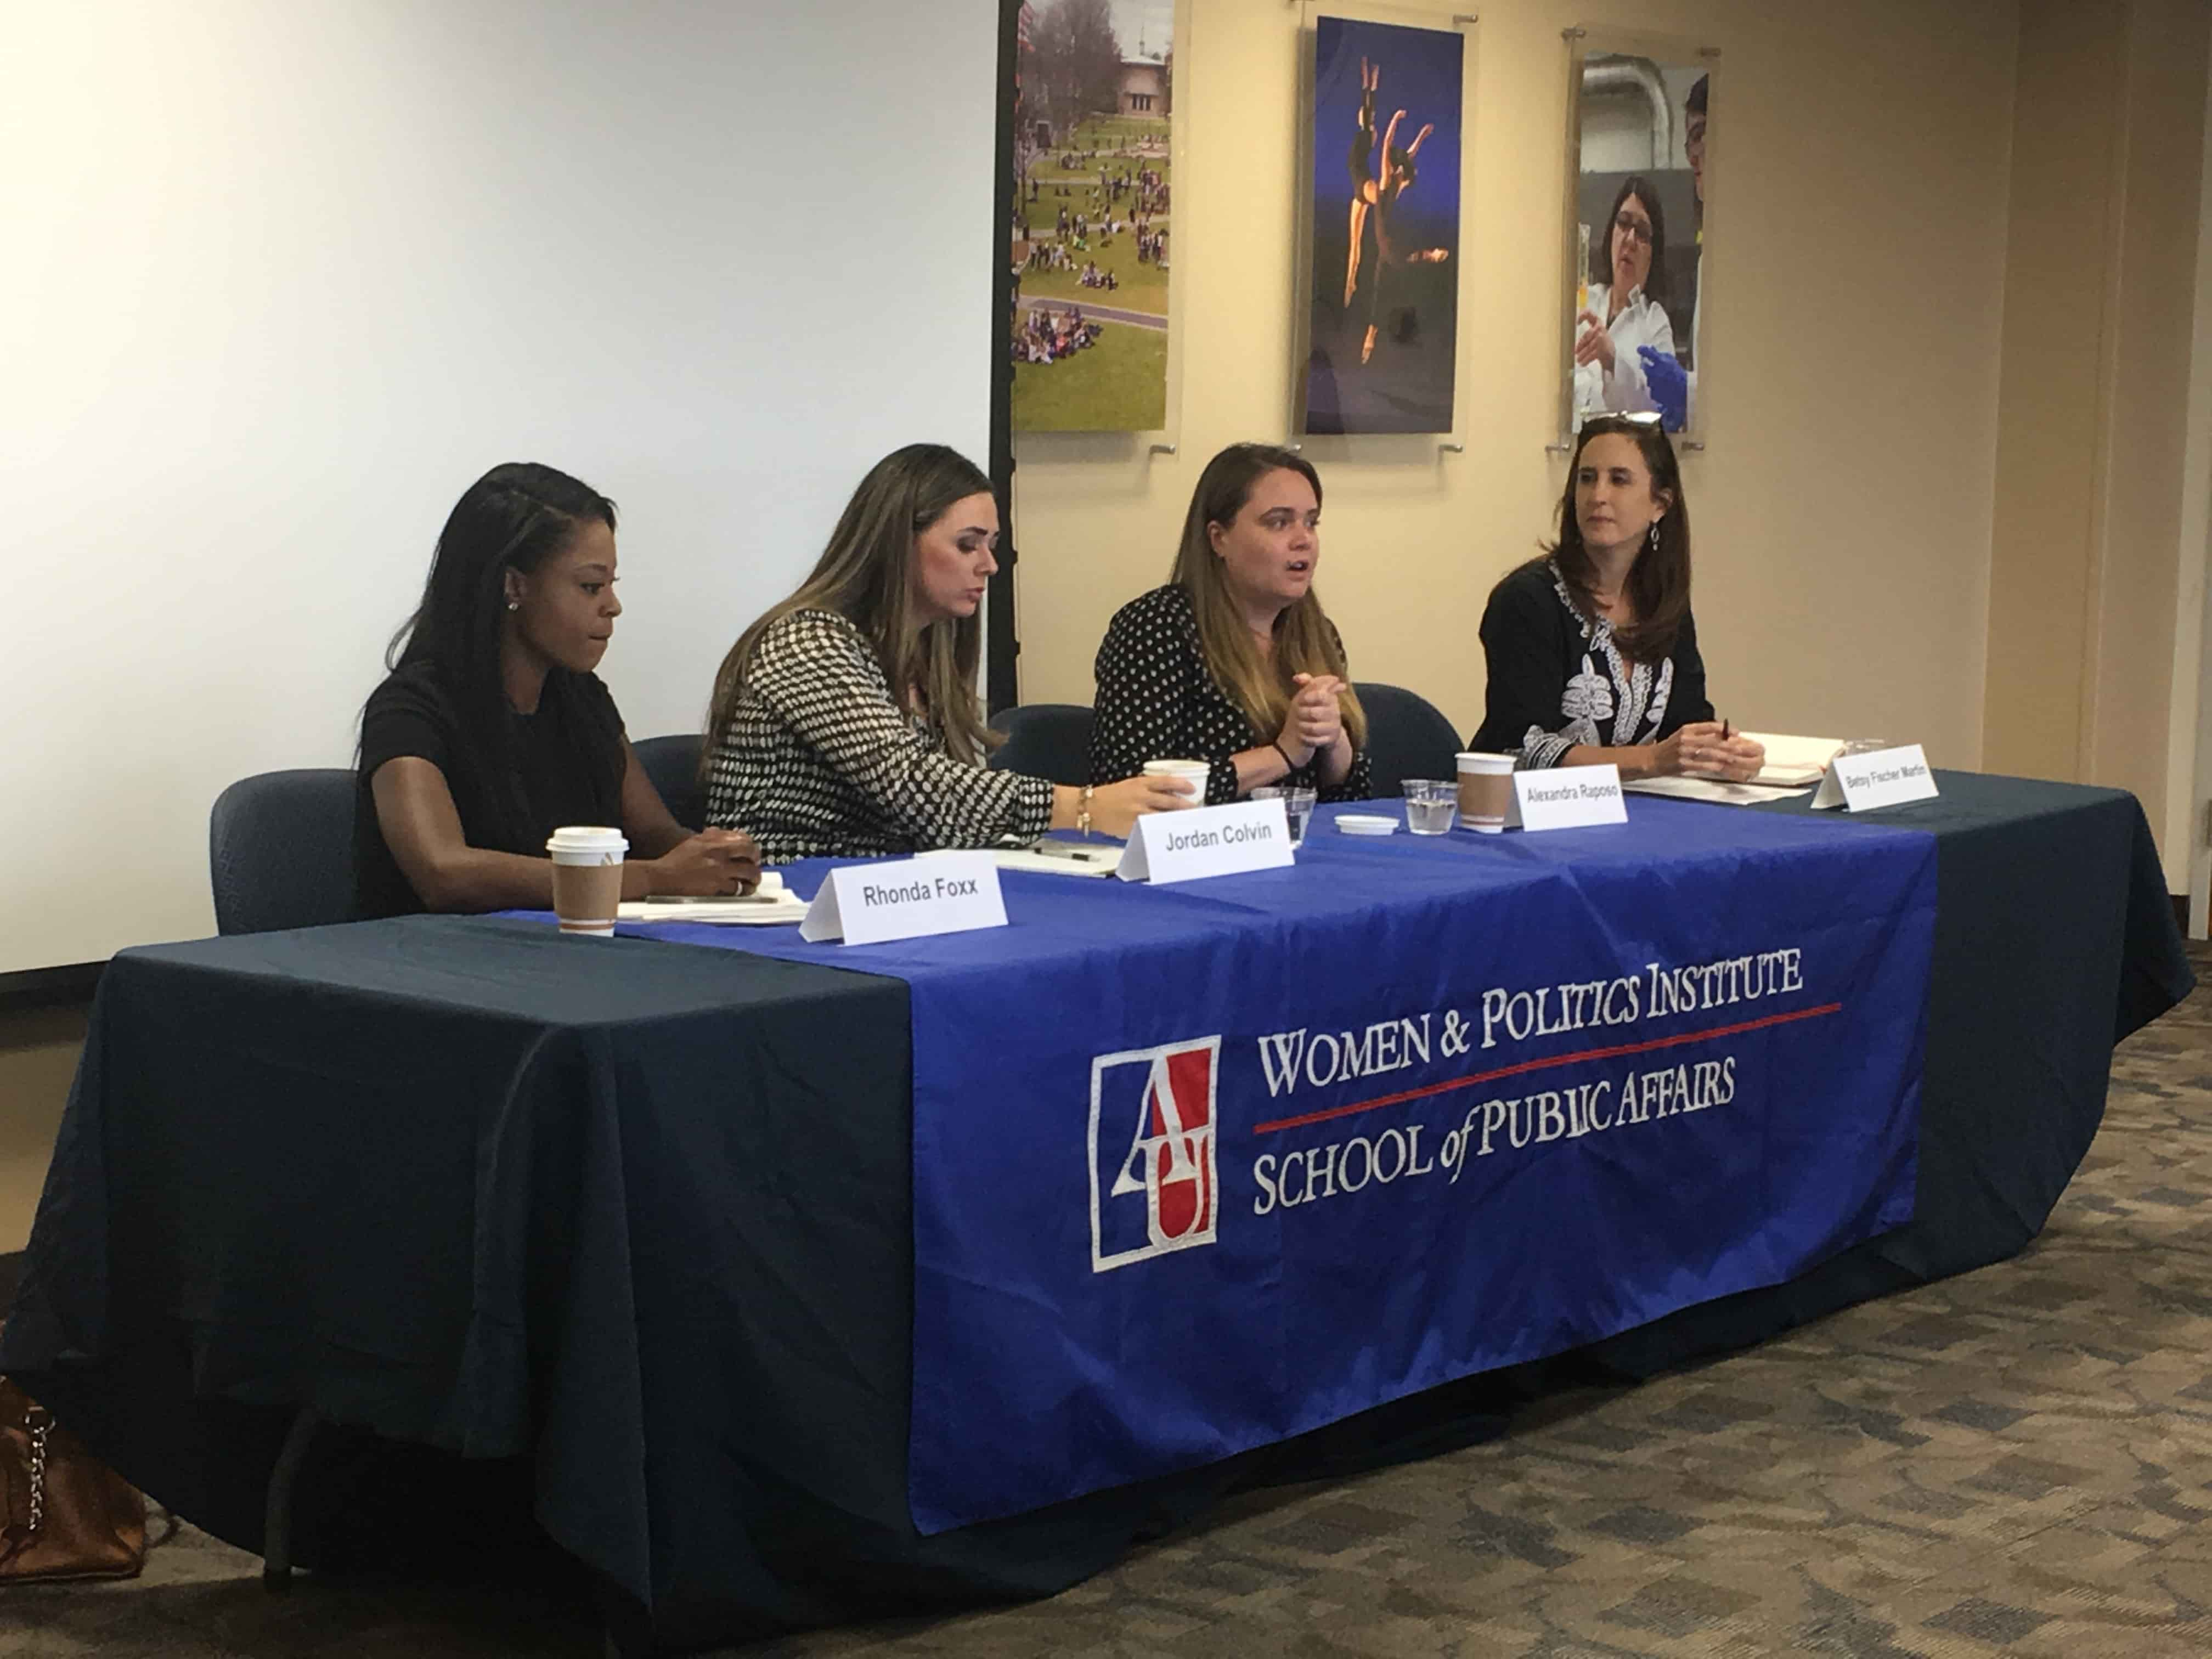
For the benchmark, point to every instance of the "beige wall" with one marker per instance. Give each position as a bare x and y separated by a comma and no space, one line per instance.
2067,156
2149,578
1843,510
2096,589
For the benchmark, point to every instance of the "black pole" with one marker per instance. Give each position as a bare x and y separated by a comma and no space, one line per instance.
1001,681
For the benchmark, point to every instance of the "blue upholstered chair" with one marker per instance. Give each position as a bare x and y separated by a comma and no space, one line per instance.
280,851
1407,738
1046,740
672,764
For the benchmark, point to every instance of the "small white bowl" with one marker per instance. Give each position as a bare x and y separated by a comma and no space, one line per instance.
1366,824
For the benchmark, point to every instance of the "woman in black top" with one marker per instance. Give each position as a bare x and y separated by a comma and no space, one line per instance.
1233,662
492,731
1592,653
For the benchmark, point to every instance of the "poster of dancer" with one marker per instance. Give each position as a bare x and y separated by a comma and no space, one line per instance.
1637,262
1092,233
1383,330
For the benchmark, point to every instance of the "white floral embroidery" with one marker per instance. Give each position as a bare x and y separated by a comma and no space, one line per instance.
1588,696
1625,690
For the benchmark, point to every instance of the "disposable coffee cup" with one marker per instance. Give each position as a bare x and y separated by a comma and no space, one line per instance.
587,875
1193,770
1485,789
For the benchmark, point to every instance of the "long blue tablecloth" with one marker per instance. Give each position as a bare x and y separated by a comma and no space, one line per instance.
630,1226
1200,1167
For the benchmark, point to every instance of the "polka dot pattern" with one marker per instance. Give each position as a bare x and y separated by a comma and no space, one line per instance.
1157,702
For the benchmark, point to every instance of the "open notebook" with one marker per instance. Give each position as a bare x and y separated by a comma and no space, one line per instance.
1793,762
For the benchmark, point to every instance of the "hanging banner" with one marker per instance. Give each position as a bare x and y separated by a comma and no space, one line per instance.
1382,248
1636,267
1092,225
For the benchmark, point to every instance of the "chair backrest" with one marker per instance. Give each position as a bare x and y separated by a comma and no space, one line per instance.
672,764
280,851
1407,738
1046,740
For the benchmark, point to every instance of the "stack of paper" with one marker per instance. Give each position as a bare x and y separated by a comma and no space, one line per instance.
1792,762
1711,789
1098,860
778,909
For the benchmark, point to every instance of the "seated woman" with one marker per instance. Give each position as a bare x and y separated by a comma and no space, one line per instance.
492,731
1592,653
845,720
1233,662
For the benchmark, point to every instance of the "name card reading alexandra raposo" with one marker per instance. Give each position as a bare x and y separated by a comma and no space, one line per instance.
871,903
1880,777
1567,798
1208,840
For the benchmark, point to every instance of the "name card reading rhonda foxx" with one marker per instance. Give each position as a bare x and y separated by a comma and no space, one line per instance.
873,894
1634,1018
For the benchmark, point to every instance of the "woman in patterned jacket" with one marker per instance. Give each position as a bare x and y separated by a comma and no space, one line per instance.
1234,662
844,722
1591,651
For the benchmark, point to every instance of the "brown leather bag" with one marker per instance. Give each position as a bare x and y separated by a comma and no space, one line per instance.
62,1513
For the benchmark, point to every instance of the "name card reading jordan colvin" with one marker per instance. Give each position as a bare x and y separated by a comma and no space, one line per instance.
873,903
1206,841
1880,777
1566,797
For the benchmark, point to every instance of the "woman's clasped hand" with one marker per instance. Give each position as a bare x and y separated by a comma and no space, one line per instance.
1707,748
1316,718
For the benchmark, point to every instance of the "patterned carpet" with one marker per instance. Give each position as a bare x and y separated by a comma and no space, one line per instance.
2017,1461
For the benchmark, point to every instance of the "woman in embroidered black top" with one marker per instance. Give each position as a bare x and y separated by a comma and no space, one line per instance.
1592,653
845,720
1233,662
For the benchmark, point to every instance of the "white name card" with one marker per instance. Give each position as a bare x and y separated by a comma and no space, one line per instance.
1880,777
1567,798
1206,841
871,903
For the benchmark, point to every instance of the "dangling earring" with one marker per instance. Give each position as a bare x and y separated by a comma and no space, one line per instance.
1655,540
516,604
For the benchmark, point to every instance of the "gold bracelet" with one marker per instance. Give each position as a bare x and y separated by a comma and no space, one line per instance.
1083,812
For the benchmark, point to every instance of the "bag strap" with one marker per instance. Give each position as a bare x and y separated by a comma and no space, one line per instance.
38,1422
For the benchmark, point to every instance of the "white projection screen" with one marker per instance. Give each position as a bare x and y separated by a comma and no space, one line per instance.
283,276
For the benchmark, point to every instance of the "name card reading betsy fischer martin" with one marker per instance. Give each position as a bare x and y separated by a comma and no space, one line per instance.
1880,777
873,903
1566,797
1206,841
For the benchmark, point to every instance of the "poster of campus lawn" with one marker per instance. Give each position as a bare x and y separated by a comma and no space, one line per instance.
1093,234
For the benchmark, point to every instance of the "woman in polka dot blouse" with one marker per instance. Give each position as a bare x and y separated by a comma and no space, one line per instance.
1233,662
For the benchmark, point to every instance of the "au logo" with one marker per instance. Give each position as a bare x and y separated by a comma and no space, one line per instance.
1153,1185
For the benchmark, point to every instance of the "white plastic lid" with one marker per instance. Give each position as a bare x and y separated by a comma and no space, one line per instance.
1478,762
1364,823
587,838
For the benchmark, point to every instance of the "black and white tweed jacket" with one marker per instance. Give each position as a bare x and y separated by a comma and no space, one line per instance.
820,760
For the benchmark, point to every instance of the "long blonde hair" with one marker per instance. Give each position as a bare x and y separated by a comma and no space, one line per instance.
866,576
1260,686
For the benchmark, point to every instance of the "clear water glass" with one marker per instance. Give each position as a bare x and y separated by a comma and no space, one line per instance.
1298,808
1431,803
